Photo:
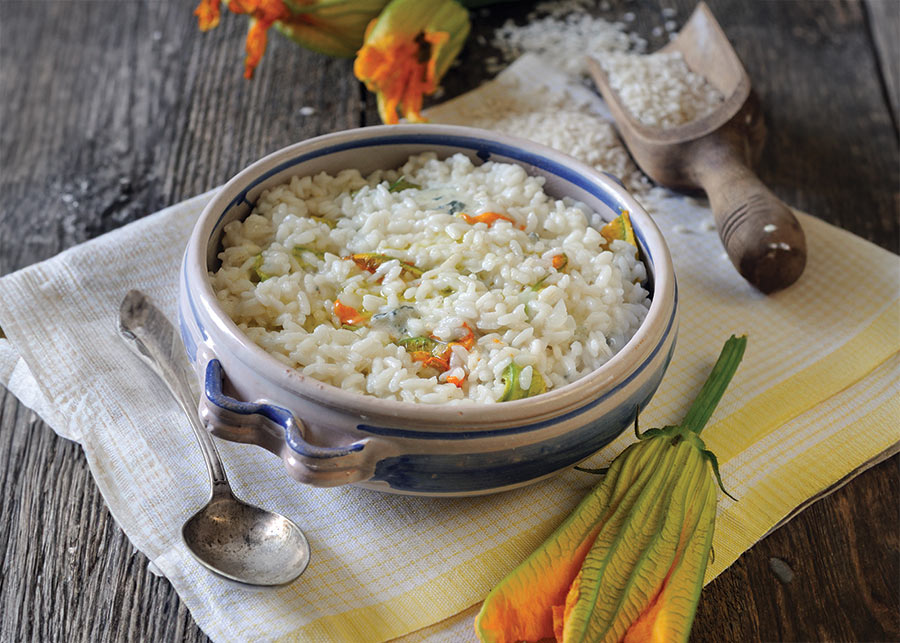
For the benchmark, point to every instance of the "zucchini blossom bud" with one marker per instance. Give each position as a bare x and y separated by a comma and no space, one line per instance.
331,27
628,564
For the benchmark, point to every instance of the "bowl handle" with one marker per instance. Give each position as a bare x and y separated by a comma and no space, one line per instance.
277,429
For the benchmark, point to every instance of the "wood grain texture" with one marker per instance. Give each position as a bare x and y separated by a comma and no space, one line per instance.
111,111
884,23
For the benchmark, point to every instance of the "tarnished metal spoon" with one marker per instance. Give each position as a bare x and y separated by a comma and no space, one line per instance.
229,537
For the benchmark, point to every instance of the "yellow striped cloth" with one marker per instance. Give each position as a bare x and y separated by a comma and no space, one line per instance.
814,400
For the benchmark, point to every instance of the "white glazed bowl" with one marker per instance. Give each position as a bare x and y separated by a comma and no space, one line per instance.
327,436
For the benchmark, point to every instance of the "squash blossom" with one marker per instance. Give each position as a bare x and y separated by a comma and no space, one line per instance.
628,563
407,50
332,27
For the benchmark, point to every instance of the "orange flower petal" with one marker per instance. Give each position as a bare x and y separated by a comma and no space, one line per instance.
347,314
207,13
391,68
490,218
456,380
263,15
430,360
255,45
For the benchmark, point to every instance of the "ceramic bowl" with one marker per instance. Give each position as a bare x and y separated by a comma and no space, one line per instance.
327,436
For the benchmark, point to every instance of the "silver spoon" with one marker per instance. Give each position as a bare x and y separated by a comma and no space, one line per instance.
229,537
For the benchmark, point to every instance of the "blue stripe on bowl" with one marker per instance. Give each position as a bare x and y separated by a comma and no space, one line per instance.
475,472
190,346
193,310
277,415
483,149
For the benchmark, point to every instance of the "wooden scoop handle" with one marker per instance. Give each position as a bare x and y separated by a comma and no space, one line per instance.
761,235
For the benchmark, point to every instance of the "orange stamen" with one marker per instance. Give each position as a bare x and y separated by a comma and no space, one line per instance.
393,68
559,261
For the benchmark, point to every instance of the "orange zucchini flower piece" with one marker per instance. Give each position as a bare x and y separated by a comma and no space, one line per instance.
348,315
407,50
628,563
490,218
207,13
371,261
458,381
618,229
332,27
263,14
428,359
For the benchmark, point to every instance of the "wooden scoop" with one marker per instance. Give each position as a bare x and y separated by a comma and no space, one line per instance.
715,153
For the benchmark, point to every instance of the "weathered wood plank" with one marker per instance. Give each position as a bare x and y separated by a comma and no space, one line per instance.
884,23
67,571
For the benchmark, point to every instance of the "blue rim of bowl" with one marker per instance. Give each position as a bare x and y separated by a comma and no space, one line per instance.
484,149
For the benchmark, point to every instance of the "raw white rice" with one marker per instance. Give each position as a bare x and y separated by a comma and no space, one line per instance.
659,89
479,275
566,42
557,120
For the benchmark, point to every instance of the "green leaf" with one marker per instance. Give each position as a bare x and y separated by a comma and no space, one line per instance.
539,284
299,251
402,184
714,461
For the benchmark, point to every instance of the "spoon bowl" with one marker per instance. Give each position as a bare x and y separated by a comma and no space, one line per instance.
245,543
234,539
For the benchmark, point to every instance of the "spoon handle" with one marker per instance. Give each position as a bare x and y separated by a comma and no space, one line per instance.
151,336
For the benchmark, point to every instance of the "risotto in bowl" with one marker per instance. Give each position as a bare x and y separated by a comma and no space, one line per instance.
425,309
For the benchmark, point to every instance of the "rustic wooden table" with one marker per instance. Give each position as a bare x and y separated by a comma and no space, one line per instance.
111,111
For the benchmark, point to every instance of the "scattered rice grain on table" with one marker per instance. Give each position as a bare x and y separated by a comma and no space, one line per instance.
565,42
489,291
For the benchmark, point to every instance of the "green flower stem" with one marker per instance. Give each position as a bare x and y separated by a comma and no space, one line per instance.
715,385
